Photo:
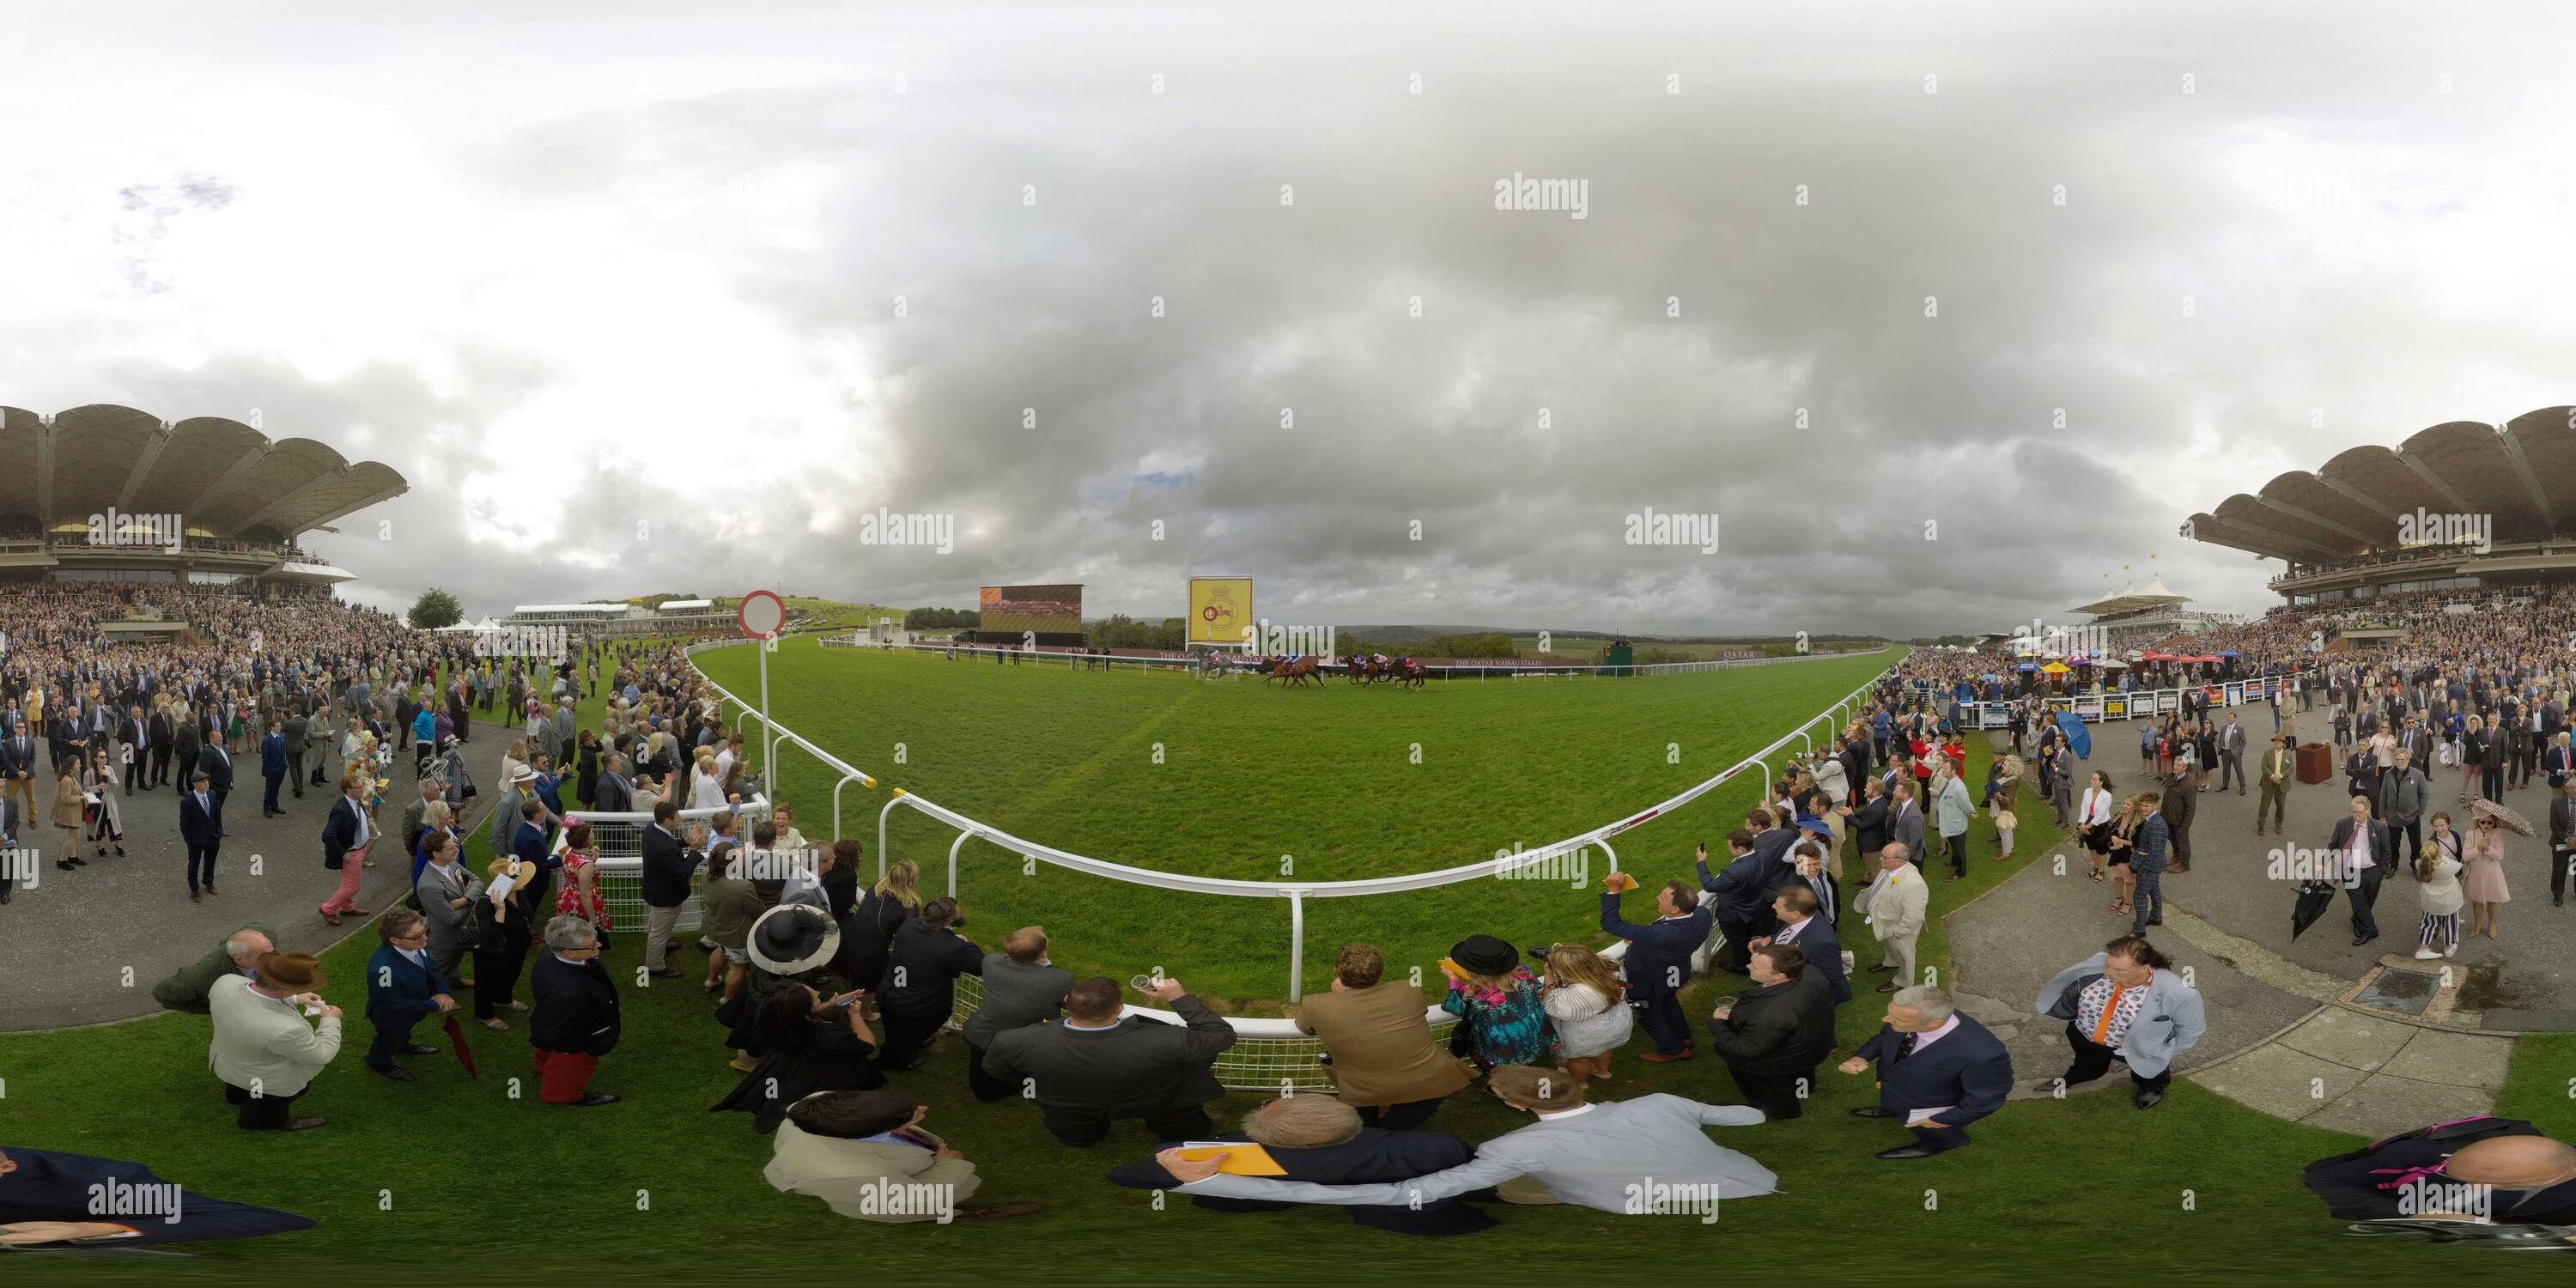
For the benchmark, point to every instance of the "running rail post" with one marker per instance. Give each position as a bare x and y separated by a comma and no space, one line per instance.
953,847
1296,946
1605,849
891,802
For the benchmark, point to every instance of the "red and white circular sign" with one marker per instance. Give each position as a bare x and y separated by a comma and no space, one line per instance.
762,613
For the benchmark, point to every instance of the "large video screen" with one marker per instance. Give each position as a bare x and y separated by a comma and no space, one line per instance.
1042,610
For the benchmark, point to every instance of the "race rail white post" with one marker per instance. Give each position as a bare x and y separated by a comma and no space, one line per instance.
953,848
1296,946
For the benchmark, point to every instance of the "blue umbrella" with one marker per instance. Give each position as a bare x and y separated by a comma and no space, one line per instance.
2077,736
2229,652
2027,666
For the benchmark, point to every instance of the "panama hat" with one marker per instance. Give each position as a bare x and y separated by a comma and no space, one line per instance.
293,972
793,938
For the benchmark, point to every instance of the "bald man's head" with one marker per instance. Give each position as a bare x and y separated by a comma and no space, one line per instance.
2514,1163
1026,944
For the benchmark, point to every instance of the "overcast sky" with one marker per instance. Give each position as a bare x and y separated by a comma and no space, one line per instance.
615,286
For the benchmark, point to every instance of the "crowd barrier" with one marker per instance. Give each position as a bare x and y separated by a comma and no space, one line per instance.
620,838
2101,706
1270,1053
1237,664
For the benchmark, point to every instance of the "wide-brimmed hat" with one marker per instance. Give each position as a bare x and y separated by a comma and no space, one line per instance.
1484,955
293,972
793,938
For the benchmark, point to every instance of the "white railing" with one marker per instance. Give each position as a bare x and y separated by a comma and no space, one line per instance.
620,838
1296,893
1238,664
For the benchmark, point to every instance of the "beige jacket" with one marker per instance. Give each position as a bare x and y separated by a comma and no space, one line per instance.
863,1180
1896,902
263,1041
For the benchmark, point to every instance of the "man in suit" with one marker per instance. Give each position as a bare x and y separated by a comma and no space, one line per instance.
616,794
2562,841
346,835
319,741
1895,903
1740,903
157,733
1385,1065
2274,779
1098,1065
132,748
2124,1001
186,746
1773,1037
1321,1140
2525,1178
667,867
238,954
1869,826
50,1200
566,734
1021,987
2362,851
1591,1155
262,1051
2491,747
2231,754
2061,790
201,827
1906,821
530,845
297,731
2401,805
1938,1070
919,992
18,767
218,765
852,1149
574,1018
272,770
1802,924
403,987
1659,959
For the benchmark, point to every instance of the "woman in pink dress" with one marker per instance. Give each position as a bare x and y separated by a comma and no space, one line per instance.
579,896
2482,875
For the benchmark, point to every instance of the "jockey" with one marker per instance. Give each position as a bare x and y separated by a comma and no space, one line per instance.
1292,658
1379,658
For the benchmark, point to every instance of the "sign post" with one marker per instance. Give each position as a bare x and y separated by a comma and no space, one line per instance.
761,614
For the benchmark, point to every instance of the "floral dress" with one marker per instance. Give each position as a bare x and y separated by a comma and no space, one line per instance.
1503,1026
570,901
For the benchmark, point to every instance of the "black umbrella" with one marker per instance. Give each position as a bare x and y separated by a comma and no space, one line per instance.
2314,898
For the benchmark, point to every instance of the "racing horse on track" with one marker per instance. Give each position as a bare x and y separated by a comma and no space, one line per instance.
1408,673
1362,669
1297,672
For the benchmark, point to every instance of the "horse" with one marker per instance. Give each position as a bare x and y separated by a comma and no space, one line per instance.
1362,670
1297,672
1409,674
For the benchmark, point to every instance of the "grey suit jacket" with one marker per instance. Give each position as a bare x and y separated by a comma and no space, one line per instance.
2401,798
2170,1022
1016,993
1596,1156
1908,828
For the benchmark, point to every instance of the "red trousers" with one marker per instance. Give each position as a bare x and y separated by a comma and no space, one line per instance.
353,873
563,1076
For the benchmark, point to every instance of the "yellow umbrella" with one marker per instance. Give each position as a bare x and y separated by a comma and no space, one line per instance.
2057,668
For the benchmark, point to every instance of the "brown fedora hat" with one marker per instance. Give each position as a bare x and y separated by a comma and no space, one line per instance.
293,972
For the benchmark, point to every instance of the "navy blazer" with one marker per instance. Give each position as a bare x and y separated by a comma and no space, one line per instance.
218,766
340,832
530,847
1373,1157
1659,954
1740,887
272,755
1825,957
1969,1070
48,1186
398,992
200,827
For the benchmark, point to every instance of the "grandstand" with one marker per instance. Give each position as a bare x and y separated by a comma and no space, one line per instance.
2459,507
626,621
108,493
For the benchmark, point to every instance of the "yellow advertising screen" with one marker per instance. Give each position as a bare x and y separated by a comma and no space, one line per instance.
1220,609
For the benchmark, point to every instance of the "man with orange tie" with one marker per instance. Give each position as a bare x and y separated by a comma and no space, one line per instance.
2124,1001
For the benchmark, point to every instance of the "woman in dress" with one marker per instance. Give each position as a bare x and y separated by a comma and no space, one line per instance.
100,781
502,956
1587,1001
2093,820
2482,875
514,758
810,1043
579,894
2469,771
2437,890
2124,835
586,768
1501,1018
868,939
